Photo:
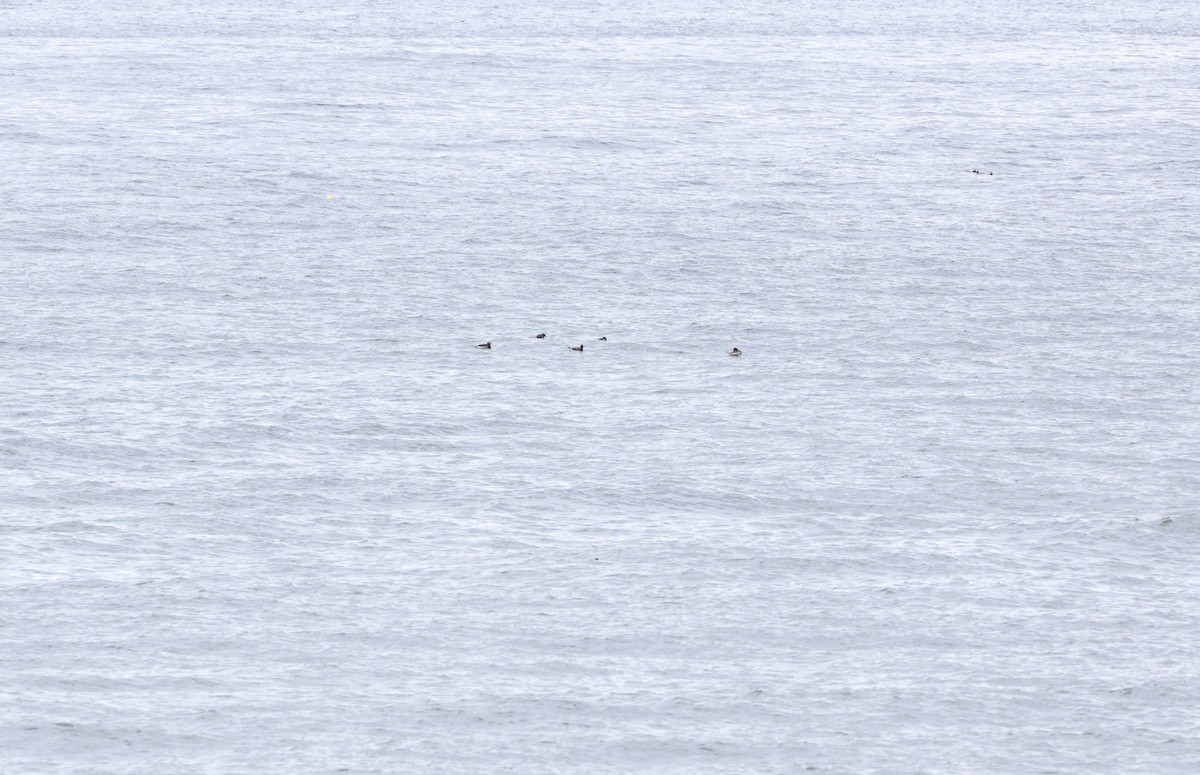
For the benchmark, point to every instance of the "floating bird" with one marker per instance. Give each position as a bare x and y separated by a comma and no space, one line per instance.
735,351
540,336
578,349
604,339
485,346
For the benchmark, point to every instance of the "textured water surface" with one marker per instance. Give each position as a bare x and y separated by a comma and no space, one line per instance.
264,507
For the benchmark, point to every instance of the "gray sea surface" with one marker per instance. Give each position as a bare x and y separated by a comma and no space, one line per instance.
265,507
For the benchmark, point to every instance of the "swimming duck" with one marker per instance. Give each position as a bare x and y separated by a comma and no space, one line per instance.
604,339
578,349
540,336
485,346
735,351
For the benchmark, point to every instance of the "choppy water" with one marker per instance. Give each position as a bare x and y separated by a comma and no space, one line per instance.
265,508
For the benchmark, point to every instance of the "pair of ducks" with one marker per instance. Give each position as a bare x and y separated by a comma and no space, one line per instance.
488,345
579,349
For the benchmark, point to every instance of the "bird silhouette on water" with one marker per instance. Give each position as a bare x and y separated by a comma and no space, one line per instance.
488,345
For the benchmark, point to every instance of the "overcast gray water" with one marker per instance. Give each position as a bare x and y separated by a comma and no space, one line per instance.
265,507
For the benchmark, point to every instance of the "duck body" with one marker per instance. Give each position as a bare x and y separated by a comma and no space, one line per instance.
578,349
484,346
735,351
540,336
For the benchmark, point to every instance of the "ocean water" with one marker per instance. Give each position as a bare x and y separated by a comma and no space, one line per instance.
265,507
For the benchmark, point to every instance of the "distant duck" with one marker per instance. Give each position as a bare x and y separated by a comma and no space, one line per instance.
975,171
578,349
540,336
484,346
604,339
735,351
